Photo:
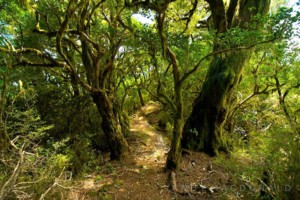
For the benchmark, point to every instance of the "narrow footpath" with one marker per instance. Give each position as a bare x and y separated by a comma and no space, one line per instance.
142,175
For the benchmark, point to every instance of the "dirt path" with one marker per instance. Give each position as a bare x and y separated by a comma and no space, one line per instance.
150,153
142,175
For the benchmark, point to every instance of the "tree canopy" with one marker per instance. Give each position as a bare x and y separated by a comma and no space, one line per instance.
224,74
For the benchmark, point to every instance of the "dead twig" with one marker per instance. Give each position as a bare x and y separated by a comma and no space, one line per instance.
162,186
10,183
267,188
195,189
200,187
56,183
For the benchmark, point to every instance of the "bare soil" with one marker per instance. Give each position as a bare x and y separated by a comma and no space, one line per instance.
142,176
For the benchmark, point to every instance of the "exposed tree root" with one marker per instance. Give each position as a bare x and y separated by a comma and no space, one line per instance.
194,189
186,152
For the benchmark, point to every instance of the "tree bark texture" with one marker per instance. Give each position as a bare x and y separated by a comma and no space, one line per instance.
174,155
203,129
111,127
99,65
139,91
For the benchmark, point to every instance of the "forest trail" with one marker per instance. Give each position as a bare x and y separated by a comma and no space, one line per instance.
150,153
142,175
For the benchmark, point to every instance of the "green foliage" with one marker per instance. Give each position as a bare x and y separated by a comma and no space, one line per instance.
109,169
169,128
33,174
281,23
265,136
60,161
57,119
164,117
273,153
28,121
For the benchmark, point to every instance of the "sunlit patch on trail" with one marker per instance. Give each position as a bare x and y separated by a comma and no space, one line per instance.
151,152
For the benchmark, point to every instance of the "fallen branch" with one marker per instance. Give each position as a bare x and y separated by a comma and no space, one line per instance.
173,181
162,186
21,184
266,187
200,187
195,189
10,183
248,184
215,172
186,152
56,183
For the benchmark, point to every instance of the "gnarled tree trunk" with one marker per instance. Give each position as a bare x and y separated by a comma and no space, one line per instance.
111,126
204,128
174,155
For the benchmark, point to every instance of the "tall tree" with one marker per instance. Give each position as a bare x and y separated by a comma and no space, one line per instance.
204,127
5,63
82,38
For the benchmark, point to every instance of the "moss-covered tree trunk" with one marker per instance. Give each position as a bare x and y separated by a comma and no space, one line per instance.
4,138
111,126
203,129
139,90
174,155
99,64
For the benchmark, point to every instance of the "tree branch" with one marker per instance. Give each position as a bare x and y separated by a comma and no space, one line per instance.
56,182
9,184
223,51
190,15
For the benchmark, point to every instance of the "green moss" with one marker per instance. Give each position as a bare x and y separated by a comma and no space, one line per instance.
169,129
98,178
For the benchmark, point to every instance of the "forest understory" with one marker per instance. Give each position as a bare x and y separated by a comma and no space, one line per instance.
149,99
